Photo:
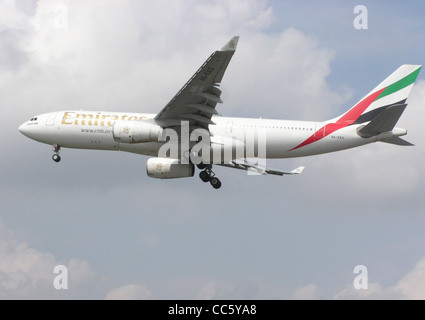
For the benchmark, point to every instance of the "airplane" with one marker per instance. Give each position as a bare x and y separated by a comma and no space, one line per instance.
189,131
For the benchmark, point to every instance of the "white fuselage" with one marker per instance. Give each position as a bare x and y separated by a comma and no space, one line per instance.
93,130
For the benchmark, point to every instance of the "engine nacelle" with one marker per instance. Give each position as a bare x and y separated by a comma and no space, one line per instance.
165,168
136,131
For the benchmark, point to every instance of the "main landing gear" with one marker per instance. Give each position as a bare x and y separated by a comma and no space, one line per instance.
56,157
208,175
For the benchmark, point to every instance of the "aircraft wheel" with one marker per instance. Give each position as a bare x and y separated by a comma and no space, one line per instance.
216,183
201,166
204,176
56,158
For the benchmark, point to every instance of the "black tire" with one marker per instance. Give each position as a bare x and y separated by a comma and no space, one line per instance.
201,166
56,158
216,183
204,176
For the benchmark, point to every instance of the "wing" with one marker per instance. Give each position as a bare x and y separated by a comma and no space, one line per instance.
196,101
243,164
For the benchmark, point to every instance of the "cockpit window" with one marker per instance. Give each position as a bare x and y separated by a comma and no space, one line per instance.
33,119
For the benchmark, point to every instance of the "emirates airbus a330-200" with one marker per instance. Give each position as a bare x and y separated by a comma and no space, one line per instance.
188,131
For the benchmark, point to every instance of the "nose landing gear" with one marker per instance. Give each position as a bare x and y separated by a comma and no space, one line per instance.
56,157
208,175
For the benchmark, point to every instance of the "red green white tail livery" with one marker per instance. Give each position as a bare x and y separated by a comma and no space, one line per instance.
375,115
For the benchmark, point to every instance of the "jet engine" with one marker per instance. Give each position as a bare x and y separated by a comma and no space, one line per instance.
135,131
165,168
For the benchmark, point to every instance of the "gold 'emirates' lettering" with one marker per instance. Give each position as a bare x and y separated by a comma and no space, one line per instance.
66,117
98,119
83,121
114,118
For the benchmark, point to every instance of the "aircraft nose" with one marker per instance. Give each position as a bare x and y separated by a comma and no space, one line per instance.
23,128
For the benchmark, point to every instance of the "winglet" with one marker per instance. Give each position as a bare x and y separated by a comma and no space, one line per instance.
231,45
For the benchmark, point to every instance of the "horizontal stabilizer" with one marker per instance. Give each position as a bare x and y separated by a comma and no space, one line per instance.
384,122
398,141
298,170
281,173
243,164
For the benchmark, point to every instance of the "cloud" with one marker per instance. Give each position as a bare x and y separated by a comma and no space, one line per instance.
129,292
411,287
282,75
308,292
244,289
86,55
22,269
374,291
26,273
208,291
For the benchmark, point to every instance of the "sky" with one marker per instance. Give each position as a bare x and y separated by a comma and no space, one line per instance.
123,235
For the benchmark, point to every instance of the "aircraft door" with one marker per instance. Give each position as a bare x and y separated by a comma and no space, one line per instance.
229,126
319,131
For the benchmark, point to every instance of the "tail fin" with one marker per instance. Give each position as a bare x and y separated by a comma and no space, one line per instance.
390,93
379,111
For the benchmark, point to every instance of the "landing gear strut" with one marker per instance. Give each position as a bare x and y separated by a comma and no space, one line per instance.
56,157
208,175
